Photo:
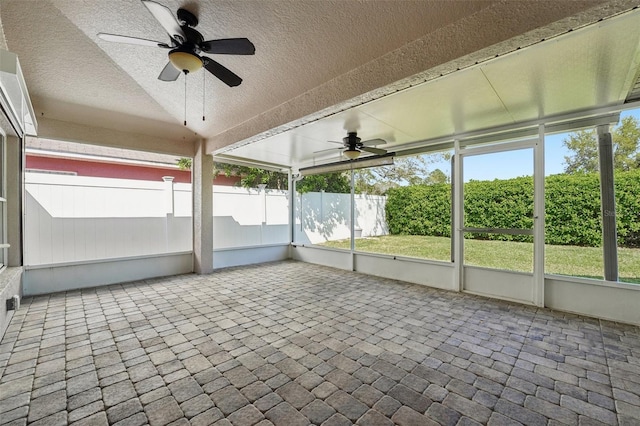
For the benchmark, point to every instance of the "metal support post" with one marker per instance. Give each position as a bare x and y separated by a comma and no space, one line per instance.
608,204
538,219
458,236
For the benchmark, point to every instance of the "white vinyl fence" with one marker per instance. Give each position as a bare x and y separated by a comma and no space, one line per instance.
322,217
71,219
248,217
76,218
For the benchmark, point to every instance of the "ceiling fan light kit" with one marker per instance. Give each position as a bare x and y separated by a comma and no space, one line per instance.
351,153
185,61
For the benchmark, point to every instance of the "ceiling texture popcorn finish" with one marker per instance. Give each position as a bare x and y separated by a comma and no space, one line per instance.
402,71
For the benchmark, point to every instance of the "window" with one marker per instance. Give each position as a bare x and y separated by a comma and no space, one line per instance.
323,210
253,212
402,209
574,234
99,208
573,225
405,209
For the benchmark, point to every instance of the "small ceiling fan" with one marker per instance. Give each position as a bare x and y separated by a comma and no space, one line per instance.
354,146
186,45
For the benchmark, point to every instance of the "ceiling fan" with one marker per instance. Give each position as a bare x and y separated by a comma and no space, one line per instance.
354,146
186,45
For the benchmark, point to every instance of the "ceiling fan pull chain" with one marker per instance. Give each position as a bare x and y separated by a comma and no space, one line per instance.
204,80
185,98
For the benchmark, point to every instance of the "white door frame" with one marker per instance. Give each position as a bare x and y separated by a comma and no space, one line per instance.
534,281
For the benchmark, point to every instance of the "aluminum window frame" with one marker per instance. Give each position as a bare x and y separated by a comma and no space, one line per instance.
4,246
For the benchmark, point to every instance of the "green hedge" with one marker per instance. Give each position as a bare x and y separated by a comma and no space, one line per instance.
419,210
628,208
572,208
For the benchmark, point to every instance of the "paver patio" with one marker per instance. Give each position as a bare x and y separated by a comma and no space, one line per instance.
291,343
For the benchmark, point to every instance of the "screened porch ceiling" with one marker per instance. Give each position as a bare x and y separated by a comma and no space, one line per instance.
587,71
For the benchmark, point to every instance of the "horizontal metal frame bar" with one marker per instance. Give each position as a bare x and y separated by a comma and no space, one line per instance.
523,129
498,147
360,163
506,231
238,161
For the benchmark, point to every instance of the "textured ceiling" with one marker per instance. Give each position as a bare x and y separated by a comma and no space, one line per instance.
69,77
75,76
312,57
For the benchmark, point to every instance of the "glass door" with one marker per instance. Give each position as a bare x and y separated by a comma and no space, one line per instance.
498,220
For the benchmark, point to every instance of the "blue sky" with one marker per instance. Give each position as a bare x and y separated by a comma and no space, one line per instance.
511,164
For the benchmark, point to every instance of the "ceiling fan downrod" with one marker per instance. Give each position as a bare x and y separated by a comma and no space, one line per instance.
185,96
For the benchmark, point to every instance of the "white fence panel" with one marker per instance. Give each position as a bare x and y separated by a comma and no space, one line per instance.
370,215
74,219
183,200
322,217
247,217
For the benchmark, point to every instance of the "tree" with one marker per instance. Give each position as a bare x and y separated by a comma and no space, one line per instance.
338,183
626,144
584,147
414,170
250,177
437,176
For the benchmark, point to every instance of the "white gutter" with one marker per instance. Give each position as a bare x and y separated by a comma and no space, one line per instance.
14,97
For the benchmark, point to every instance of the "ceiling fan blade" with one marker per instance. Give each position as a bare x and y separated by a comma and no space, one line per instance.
166,18
229,46
371,142
169,73
326,150
222,72
377,151
131,40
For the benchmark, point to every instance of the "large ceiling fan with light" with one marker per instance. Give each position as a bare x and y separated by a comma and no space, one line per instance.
186,45
354,146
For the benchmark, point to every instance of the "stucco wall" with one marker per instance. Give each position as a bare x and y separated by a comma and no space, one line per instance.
3,41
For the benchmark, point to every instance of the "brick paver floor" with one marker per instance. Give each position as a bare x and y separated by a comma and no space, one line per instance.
291,343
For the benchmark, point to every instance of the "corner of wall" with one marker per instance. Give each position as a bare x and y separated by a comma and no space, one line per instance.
3,40
10,285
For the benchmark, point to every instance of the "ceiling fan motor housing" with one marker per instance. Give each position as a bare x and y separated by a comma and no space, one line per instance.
187,18
352,141
185,57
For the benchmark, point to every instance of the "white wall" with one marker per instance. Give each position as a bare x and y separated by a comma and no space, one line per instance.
595,298
61,277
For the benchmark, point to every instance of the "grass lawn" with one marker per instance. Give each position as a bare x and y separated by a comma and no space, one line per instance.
563,260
